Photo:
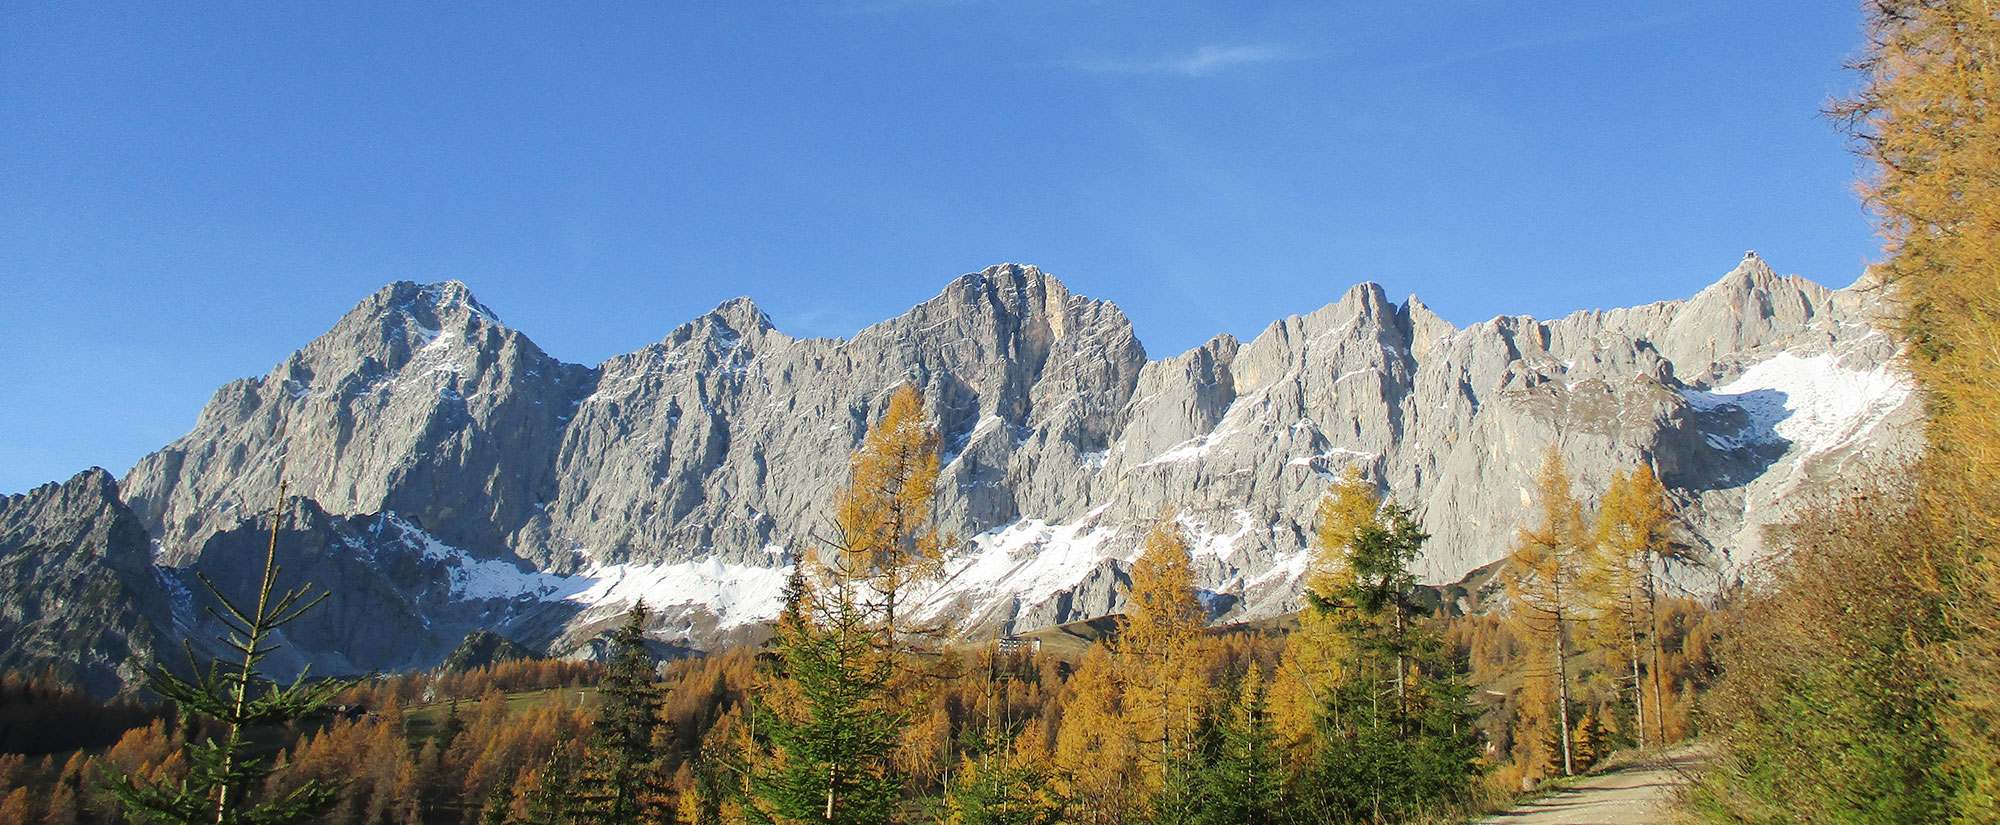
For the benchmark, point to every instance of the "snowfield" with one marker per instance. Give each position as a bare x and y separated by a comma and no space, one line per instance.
737,594
1030,560
1813,403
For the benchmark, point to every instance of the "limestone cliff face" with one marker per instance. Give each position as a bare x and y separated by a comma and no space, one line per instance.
509,490
728,437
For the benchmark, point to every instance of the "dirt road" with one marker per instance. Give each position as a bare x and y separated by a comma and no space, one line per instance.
1637,794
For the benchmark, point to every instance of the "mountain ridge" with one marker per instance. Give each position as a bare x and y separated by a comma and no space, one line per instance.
708,455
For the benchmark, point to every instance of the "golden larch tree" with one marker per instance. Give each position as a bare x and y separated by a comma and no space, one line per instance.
1633,538
1928,117
1317,657
1160,657
1096,754
1542,578
887,542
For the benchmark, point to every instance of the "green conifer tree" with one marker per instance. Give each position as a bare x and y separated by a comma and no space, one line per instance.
1004,786
235,695
622,778
844,681
497,809
1243,781
554,799
453,725
828,720
1396,739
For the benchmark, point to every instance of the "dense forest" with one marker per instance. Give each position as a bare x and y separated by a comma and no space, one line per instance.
1855,678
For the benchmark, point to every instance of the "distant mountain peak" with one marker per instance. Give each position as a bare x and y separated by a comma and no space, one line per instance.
1753,273
725,325
742,315
1008,285
438,299
399,322
452,295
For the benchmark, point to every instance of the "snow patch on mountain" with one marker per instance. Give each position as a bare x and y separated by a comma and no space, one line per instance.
1206,542
1030,560
737,594
1292,567
1812,402
1190,449
1331,454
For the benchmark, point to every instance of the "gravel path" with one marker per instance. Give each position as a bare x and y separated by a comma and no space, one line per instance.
1638,794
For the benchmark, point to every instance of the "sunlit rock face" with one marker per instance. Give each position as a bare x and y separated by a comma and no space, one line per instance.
470,481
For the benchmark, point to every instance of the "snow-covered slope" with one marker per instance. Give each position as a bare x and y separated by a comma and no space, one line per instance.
1813,402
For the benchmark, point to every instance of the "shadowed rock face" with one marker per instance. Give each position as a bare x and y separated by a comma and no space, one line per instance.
395,598
79,595
692,471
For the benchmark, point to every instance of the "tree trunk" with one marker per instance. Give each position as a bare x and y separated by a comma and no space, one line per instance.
1638,684
1653,611
1562,682
1402,705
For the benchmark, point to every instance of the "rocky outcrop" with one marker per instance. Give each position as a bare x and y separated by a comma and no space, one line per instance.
79,595
484,648
454,478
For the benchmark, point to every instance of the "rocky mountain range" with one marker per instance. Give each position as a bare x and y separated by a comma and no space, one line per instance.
448,476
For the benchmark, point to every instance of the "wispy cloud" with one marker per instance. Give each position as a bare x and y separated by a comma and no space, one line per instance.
1202,62
1553,39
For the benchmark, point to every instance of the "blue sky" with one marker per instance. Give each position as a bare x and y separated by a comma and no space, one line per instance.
188,192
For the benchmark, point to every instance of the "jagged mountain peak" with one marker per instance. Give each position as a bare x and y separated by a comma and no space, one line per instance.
95,482
393,402
1366,293
402,322
1001,286
1754,276
1365,301
1428,330
452,296
1014,295
1009,278
438,301
1222,345
742,313
79,596
725,325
